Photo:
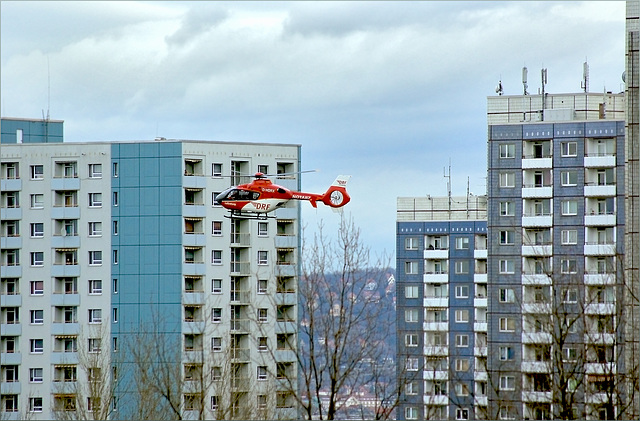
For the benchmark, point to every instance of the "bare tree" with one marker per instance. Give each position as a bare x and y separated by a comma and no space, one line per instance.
342,329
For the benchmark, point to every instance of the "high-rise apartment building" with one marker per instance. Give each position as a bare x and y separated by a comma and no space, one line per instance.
116,259
556,200
441,284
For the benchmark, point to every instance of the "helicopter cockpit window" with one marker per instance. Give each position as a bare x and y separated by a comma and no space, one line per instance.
237,194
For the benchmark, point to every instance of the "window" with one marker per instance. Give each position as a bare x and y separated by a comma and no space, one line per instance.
263,257
507,324
462,414
216,315
263,229
570,295
570,354
37,317
37,172
411,388
569,178
462,389
37,229
507,383
411,315
411,268
216,286
115,227
462,291
216,257
37,258
569,207
95,315
36,346
95,229
462,266
114,201
462,243
507,295
507,208
462,340
95,170
262,343
507,266
507,150
215,401
569,148
114,344
411,243
411,413
507,237
462,316
95,286
462,364
569,237
412,364
114,170
216,169
114,285
37,201
216,228
216,344
262,315
94,344
213,198
114,315
95,257
95,200
262,372
568,266
35,404
262,286
37,287
262,402
507,179
411,340
411,291
506,353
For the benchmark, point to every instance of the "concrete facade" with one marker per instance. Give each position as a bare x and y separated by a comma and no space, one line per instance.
107,247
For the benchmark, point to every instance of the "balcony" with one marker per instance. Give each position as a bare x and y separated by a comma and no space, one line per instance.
436,399
14,329
436,351
435,374
480,302
594,249
600,338
240,354
536,367
535,163
240,239
480,278
193,298
480,351
194,181
240,325
286,241
600,161
240,268
436,302
240,296
438,254
537,221
536,308
65,212
10,184
535,396
435,326
194,210
65,183
286,298
14,300
600,368
536,338
64,271
436,278
537,250
14,242
480,375
481,400
480,253
62,329
286,327
193,269
65,300
480,327
600,308
65,241
599,190
10,213
535,279
599,279
600,220
535,192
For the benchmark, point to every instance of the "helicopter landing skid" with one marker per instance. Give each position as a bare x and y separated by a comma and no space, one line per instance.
245,215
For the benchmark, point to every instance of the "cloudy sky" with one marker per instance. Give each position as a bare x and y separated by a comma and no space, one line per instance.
389,92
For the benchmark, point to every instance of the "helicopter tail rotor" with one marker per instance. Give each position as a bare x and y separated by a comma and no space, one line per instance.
337,195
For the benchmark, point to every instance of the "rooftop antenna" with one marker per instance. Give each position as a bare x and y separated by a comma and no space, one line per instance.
524,80
543,75
448,177
499,89
585,76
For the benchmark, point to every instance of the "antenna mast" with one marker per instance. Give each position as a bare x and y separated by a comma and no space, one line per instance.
524,80
448,177
585,77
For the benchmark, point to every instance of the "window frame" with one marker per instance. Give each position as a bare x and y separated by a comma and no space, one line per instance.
569,149
507,324
507,150
569,207
414,291
462,316
461,244
95,229
569,237
507,208
37,175
33,229
95,258
462,341
95,170
566,178
214,289
95,200
507,180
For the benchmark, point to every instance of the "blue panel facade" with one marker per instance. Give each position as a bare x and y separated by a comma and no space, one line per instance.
30,131
148,271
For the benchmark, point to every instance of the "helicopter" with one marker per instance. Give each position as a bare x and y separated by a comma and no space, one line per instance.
261,196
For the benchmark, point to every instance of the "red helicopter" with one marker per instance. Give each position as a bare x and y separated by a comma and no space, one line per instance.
261,196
